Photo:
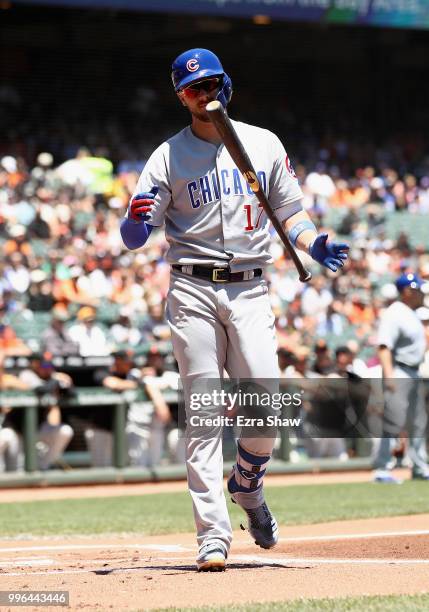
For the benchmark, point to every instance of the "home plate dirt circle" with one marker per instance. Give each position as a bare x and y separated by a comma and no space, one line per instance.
377,556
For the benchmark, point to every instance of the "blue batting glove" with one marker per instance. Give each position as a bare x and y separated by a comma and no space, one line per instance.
140,207
332,255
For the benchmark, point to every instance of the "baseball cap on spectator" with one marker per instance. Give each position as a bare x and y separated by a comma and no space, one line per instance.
86,313
408,280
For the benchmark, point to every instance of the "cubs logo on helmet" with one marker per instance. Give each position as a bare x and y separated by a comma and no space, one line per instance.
196,65
192,65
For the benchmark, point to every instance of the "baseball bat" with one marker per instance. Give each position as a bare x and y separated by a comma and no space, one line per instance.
222,123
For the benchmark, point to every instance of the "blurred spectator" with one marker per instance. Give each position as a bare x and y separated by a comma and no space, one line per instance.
336,409
56,338
88,335
323,363
145,422
38,228
67,289
40,298
298,367
286,361
16,274
158,378
320,188
316,298
10,344
10,455
156,326
73,172
123,332
49,385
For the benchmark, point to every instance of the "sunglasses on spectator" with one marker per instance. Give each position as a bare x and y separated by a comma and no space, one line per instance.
208,85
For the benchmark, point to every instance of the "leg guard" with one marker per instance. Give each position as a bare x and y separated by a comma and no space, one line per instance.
245,482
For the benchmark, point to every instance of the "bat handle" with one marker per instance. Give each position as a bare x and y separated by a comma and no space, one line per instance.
305,276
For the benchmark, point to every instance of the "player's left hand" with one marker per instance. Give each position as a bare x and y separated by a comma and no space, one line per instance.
332,255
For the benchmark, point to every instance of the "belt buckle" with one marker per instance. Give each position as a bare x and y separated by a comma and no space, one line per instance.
215,275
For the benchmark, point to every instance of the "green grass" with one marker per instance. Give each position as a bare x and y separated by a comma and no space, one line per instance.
389,603
172,512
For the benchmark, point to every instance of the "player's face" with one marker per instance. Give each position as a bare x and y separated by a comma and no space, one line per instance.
414,297
198,95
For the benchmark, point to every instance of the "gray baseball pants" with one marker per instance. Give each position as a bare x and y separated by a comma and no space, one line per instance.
219,327
405,408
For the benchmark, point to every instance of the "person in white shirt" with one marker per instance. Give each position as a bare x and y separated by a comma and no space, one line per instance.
90,337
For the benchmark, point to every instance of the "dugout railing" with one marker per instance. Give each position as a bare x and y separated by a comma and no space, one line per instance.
100,398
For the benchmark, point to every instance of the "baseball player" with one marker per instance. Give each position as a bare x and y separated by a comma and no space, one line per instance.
402,346
218,306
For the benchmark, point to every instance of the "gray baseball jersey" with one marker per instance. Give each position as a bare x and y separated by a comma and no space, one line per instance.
211,215
403,333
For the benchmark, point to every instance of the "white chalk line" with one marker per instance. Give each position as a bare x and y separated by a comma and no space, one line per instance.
285,561
26,562
156,547
180,548
355,536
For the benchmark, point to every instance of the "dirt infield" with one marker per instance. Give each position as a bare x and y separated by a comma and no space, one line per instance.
361,557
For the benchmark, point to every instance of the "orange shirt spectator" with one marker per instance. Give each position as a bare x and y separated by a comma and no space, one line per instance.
10,344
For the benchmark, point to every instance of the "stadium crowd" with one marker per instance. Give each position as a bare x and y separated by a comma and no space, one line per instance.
69,287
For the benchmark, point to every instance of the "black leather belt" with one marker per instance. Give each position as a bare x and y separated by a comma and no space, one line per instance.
405,365
218,275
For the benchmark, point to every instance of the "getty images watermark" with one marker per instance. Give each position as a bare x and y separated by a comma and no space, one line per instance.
245,408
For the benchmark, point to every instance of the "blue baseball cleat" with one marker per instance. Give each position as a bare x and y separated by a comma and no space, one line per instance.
262,525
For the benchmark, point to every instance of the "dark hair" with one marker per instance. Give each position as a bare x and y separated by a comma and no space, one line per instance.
123,355
343,350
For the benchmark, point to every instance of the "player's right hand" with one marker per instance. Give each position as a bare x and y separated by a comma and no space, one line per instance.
140,207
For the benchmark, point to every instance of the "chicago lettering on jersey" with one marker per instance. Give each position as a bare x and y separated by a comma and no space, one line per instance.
210,187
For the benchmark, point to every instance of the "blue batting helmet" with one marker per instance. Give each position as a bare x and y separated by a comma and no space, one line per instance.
408,280
199,64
